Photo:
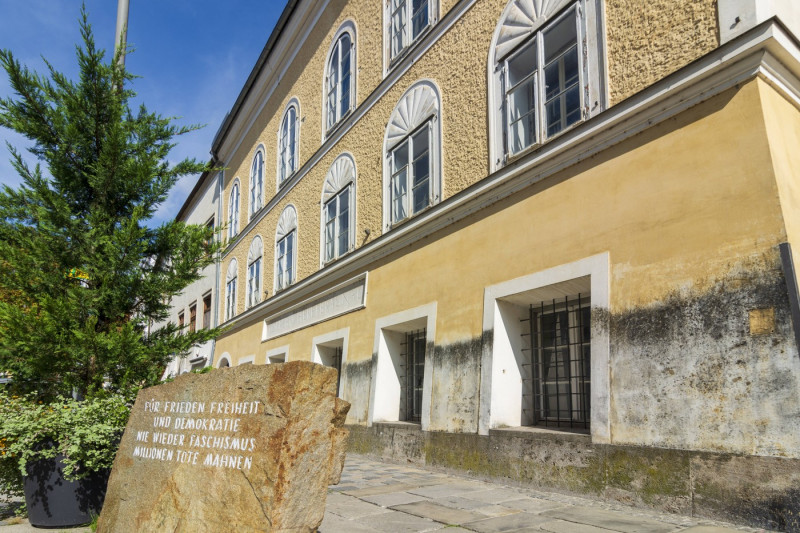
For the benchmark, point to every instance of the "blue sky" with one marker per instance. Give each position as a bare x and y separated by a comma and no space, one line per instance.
193,57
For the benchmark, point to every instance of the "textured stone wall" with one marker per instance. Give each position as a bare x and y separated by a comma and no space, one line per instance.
650,40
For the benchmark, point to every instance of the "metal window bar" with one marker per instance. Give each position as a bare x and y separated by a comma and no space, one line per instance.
337,364
414,358
560,360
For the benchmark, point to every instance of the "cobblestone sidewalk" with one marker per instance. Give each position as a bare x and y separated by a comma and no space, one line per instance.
374,496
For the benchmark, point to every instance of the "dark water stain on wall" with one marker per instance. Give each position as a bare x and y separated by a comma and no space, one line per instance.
455,385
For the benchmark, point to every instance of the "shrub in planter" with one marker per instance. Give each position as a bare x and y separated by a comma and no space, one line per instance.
41,442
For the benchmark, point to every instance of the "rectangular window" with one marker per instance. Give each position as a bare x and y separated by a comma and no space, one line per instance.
209,225
285,261
337,224
206,311
401,33
560,360
415,374
254,282
193,318
542,84
413,174
181,320
230,299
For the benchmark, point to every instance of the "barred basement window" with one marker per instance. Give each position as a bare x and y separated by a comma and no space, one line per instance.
560,359
414,366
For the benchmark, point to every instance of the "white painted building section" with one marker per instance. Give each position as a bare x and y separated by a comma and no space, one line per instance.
739,16
198,300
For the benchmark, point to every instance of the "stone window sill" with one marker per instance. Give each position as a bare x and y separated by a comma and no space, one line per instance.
398,424
535,433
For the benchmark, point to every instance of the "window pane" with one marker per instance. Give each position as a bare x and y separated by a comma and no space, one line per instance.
399,182
522,116
344,221
563,111
289,258
419,17
333,79
398,26
522,65
292,140
330,229
345,75
521,98
421,171
562,76
558,38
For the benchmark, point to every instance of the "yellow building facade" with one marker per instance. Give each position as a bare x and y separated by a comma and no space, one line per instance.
550,241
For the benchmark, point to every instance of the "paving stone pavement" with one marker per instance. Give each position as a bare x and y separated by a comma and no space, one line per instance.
375,496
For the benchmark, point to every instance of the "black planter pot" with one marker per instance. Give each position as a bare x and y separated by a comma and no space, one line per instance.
54,502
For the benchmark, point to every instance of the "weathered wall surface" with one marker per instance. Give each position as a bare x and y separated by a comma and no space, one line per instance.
714,369
782,119
759,491
650,40
667,207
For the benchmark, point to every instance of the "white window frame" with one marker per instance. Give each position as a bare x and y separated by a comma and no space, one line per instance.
225,357
409,40
322,343
278,355
340,176
287,229
501,383
257,182
348,28
233,209
230,289
255,272
521,22
386,386
287,159
420,106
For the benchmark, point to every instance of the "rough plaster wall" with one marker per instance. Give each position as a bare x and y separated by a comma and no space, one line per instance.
650,40
461,53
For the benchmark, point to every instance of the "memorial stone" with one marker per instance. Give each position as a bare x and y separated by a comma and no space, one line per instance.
250,448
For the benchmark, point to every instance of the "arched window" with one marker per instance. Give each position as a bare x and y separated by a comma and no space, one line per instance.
257,182
544,73
233,211
338,209
285,249
287,142
340,76
254,272
412,148
230,289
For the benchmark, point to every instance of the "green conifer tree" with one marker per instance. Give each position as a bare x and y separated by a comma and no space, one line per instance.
83,278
